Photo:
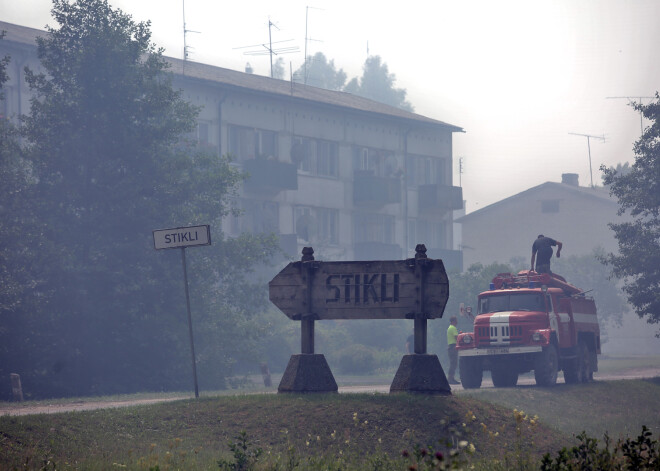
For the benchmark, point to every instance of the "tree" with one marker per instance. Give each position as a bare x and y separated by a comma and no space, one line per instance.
109,164
377,84
321,73
638,192
278,69
15,274
586,272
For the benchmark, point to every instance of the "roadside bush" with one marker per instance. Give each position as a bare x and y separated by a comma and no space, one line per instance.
641,453
356,359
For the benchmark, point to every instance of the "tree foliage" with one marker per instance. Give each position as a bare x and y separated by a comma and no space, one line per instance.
638,192
378,84
16,263
321,73
586,272
109,163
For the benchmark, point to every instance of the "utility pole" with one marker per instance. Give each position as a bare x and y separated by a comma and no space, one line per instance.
630,101
589,136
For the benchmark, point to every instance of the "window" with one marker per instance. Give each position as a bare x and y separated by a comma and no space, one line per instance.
327,156
376,162
317,224
250,143
550,206
372,227
260,217
201,134
512,302
315,156
433,234
422,170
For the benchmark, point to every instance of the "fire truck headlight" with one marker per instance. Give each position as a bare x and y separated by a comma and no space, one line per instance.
467,339
537,337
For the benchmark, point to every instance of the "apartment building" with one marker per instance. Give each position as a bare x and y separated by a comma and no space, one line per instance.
355,179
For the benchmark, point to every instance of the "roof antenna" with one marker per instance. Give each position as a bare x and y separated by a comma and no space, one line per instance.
588,136
269,48
185,31
630,102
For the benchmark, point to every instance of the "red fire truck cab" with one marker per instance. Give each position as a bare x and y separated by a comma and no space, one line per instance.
526,322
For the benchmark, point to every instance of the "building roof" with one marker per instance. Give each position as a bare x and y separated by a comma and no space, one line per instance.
261,84
600,194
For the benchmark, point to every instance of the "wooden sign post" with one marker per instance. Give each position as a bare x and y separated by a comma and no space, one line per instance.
311,290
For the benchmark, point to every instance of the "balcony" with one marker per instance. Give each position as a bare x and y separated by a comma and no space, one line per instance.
440,198
372,191
270,176
451,259
376,251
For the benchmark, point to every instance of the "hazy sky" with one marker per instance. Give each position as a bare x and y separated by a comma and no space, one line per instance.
518,76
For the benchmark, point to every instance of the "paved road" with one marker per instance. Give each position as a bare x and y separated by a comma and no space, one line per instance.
28,409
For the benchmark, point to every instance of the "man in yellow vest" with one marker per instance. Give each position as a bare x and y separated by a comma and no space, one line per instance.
452,333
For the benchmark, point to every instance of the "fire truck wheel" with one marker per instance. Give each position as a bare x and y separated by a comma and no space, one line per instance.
586,370
573,369
546,366
504,376
470,372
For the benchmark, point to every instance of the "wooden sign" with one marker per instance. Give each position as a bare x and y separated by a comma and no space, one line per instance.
392,289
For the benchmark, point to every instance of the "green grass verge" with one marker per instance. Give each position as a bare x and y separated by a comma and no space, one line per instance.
619,408
341,428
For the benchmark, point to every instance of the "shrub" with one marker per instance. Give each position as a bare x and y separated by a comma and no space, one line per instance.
356,359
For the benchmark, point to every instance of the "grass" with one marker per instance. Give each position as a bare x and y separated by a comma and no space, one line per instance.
337,431
349,431
193,434
619,408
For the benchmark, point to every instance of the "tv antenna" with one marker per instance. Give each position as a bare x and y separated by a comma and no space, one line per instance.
185,32
268,49
460,170
589,136
630,102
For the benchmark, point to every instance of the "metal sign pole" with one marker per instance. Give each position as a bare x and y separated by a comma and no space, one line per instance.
192,343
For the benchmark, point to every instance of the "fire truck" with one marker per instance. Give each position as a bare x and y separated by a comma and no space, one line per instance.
530,321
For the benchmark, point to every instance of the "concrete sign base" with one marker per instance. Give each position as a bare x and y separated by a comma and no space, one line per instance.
307,373
421,374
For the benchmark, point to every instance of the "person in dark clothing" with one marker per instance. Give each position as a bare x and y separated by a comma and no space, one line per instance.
542,253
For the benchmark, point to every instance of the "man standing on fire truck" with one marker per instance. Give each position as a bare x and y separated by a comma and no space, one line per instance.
543,246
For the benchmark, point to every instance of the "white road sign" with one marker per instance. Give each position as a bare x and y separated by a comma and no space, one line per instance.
182,237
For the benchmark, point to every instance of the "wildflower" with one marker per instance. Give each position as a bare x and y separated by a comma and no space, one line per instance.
380,440
405,453
471,449
318,439
423,452
333,434
439,456
307,442
484,426
462,444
